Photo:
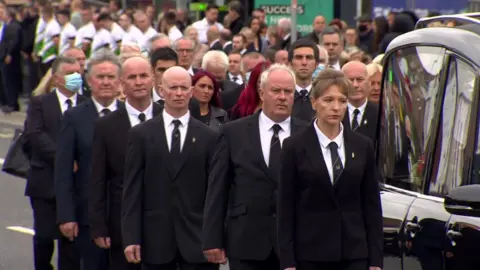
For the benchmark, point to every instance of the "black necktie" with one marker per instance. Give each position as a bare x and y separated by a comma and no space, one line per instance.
105,111
69,104
175,147
304,94
161,102
337,165
275,149
355,124
142,117
235,79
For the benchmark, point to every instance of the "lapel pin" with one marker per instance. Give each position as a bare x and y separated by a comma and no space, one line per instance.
193,140
353,155
365,122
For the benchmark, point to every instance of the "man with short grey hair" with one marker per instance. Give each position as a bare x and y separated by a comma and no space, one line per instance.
244,174
185,48
41,133
159,41
74,153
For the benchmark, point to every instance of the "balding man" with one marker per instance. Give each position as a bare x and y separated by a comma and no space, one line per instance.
362,115
159,41
284,30
213,38
144,25
105,183
281,57
166,174
318,26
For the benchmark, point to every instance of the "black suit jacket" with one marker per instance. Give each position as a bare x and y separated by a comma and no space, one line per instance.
368,125
230,92
239,170
228,48
321,221
105,184
41,132
302,108
162,208
216,46
11,43
75,145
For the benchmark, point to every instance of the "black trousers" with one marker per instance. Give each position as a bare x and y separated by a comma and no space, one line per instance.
343,265
180,264
46,231
271,263
12,82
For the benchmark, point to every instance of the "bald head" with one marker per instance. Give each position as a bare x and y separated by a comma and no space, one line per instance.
356,66
175,73
135,62
323,54
319,24
356,72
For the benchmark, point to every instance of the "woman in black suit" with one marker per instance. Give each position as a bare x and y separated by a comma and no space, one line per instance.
329,208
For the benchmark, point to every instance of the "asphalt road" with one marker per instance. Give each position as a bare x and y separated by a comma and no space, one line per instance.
16,246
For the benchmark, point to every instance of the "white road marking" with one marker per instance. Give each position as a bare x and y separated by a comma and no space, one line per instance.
2,161
6,135
21,229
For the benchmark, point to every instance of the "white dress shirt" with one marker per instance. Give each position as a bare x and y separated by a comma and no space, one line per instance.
134,113
202,27
336,66
324,142
352,108
112,107
266,133
308,88
174,33
169,126
239,80
62,100
190,71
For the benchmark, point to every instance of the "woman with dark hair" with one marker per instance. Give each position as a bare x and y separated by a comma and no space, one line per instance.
205,91
259,43
381,28
249,101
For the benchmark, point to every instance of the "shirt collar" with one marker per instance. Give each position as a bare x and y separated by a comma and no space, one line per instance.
266,123
351,108
286,37
167,118
308,88
62,98
112,107
155,95
324,140
135,113
190,71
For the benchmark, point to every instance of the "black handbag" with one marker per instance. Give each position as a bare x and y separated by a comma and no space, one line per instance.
17,162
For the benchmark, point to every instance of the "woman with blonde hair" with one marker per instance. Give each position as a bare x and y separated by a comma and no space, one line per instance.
45,85
374,72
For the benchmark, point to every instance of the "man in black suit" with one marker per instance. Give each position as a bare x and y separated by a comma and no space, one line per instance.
216,62
74,152
284,30
303,57
234,73
41,133
246,167
108,158
362,115
11,59
166,174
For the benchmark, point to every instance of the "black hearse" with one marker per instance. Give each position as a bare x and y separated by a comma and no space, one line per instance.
428,148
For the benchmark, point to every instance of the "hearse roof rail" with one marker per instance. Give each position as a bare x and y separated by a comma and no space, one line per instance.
458,19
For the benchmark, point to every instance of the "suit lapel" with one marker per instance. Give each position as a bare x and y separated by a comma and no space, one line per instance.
346,120
188,145
156,110
55,105
350,158
254,134
159,138
123,120
314,152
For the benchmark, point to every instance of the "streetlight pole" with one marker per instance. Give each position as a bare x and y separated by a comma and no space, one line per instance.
293,19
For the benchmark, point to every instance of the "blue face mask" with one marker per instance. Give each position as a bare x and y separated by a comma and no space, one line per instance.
73,82
319,68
